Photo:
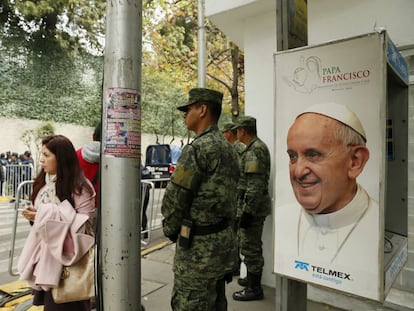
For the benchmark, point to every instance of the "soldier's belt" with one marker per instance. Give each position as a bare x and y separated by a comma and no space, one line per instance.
209,229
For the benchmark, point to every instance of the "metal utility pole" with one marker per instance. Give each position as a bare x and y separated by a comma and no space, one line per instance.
201,64
119,272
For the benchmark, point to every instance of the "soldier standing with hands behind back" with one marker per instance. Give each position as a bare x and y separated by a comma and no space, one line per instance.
253,206
199,209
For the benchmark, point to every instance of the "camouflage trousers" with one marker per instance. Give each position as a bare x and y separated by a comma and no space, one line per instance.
198,294
250,244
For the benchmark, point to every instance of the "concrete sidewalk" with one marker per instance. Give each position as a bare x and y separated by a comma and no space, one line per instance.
157,282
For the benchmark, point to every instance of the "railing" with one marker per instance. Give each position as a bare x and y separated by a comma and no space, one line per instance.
14,175
151,197
17,208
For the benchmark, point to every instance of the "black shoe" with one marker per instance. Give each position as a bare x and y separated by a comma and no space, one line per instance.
249,294
243,282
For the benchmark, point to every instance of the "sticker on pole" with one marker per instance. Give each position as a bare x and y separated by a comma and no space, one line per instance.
123,123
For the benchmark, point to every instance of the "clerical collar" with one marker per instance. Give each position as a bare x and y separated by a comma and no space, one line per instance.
346,215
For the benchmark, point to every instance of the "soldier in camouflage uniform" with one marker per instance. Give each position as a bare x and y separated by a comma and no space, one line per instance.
230,134
229,131
199,210
253,206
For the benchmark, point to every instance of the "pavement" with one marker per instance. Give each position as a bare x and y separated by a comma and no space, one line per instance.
157,281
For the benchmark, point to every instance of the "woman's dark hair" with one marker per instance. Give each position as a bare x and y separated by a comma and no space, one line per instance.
70,178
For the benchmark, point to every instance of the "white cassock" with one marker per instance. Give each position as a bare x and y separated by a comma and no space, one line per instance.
339,250
325,236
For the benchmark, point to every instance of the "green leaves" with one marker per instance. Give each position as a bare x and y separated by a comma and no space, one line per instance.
51,64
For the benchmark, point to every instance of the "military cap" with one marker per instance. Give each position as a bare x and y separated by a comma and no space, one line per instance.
228,127
245,121
339,113
198,95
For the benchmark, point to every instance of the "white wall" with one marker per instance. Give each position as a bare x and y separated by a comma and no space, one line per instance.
336,19
260,43
12,129
231,15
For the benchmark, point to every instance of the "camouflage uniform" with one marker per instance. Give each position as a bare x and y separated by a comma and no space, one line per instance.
254,200
239,146
205,172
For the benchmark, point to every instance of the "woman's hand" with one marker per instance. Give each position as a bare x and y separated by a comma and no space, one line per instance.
29,213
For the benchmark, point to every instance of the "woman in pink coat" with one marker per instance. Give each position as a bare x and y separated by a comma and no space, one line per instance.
62,215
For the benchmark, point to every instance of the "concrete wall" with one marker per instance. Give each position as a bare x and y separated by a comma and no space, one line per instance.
259,103
336,19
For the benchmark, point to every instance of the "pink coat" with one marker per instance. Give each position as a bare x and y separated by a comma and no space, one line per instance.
57,238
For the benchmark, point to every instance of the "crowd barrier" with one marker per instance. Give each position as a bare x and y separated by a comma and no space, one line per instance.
152,193
14,174
151,218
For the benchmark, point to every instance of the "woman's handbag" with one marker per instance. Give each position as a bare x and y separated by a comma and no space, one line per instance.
77,281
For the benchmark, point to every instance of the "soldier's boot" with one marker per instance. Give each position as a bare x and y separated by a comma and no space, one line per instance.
243,282
253,291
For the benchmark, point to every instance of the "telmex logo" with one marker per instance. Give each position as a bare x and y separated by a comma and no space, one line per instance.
301,265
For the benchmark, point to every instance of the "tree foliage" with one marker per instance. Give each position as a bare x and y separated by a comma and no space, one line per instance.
32,138
45,85
174,50
51,64
67,23
161,96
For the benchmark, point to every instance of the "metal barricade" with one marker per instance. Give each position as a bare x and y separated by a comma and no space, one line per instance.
2,179
18,206
151,217
15,174
151,200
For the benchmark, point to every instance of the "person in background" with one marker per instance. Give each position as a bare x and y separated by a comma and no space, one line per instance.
27,171
230,134
3,163
145,196
13,171
14,158
27,158
63,201
2,177
8,156
229,131
199,209
89,158
3,159
253,206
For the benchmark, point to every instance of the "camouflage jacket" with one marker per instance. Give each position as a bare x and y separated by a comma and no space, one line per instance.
201,186
253,186
239,146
